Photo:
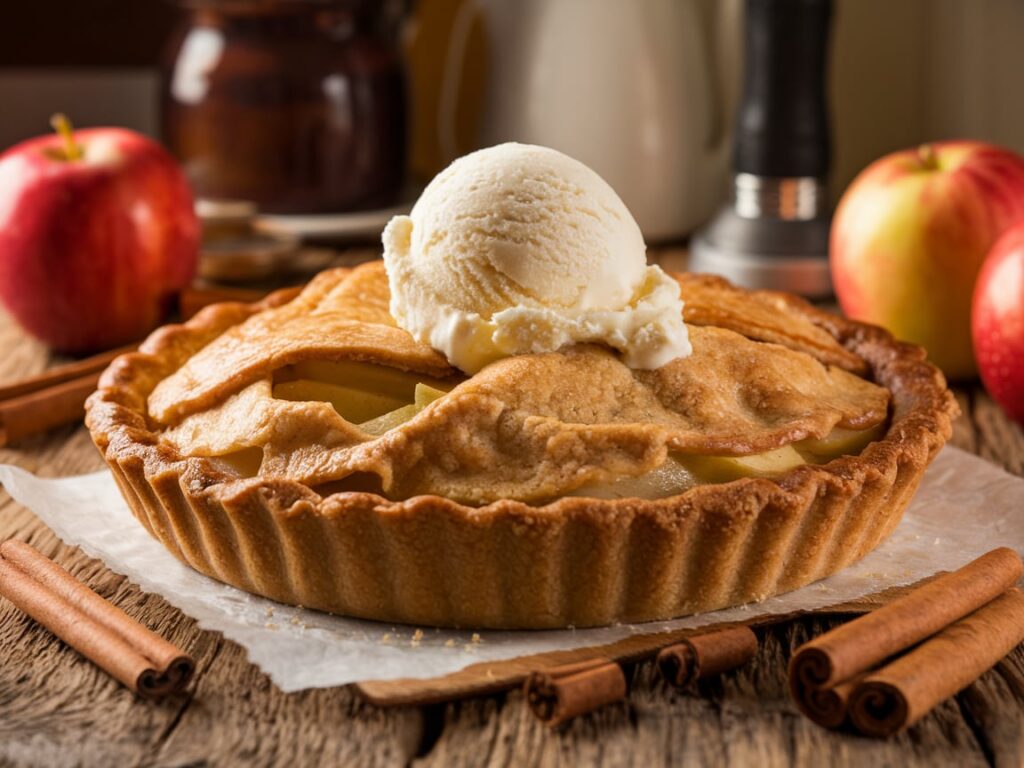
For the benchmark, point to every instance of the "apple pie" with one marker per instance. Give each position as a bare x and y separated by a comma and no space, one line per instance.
308,449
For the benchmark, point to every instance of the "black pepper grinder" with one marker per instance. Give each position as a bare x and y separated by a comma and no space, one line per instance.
774,231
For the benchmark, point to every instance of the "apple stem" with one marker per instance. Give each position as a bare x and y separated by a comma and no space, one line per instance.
62,125
929,159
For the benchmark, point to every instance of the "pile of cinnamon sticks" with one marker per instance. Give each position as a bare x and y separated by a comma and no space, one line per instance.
558,694
100,631
884,671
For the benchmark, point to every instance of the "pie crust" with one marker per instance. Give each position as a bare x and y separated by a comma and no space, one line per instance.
573,561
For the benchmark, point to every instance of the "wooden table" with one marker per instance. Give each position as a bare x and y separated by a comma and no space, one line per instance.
57,709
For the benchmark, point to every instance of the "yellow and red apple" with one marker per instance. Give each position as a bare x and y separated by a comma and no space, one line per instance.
909,238
97,234
997,322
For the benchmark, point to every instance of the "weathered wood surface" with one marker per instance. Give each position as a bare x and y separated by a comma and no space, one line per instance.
57,709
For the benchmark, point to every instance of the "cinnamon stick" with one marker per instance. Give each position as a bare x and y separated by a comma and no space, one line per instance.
103,633
59,375
706,655
38,411
865,642
828,707
562,693
898,695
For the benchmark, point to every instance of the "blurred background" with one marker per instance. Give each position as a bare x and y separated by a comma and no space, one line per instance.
902,71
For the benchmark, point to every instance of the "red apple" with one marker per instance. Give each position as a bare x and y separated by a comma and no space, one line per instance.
910,235
97,232
997,322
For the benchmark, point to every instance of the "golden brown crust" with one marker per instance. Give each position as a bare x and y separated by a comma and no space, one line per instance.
579,561
762,315
529,427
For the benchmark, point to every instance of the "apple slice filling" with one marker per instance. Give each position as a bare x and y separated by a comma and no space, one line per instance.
243,463
682,471
378,399
839,442
373,397
423,396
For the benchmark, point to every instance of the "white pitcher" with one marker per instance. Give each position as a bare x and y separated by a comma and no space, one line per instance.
632,88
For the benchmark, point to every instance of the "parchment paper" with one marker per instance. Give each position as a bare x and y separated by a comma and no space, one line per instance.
964,507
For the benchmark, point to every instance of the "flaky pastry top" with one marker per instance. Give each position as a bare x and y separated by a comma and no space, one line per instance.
530,427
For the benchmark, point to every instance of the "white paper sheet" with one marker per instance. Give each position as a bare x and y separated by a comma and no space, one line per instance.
964,507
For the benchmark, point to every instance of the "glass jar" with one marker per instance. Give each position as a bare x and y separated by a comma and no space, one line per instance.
295,105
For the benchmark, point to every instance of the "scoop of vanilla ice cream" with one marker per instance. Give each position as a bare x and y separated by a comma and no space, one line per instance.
520,249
